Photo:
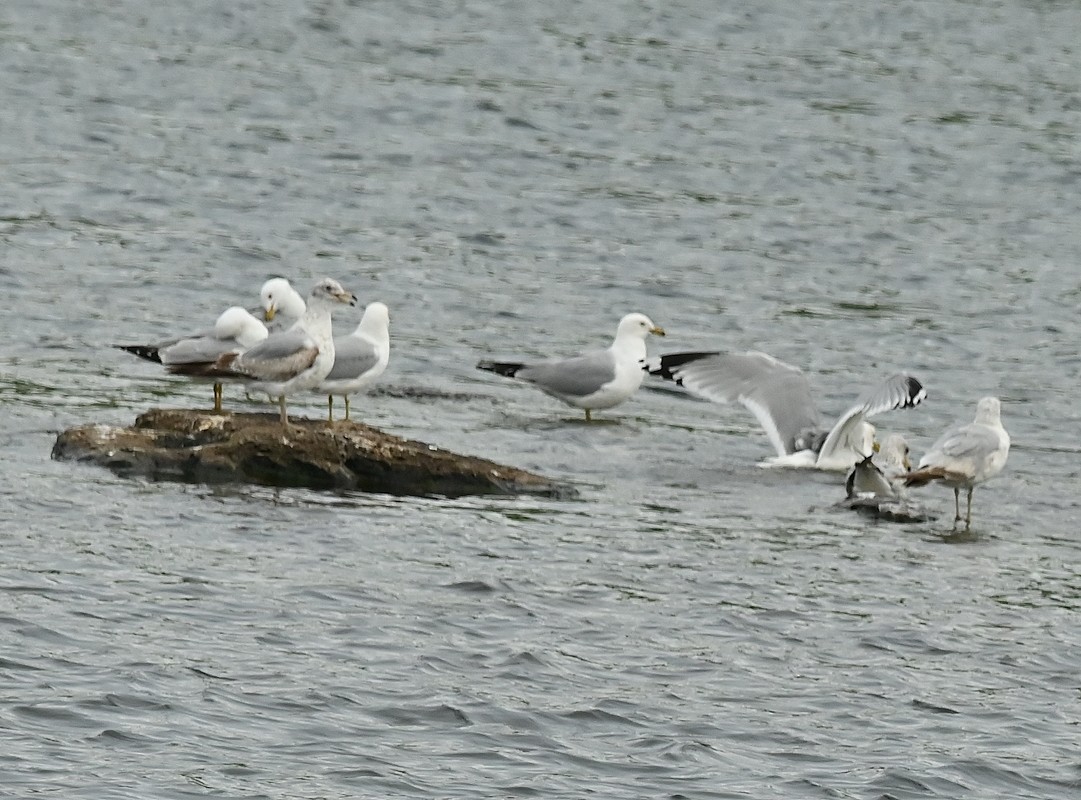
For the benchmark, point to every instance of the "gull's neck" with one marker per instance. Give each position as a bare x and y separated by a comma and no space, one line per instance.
293,306
316,320
373,328
630,345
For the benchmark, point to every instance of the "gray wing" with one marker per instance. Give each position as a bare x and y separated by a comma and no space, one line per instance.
961,444
897,391
156,352
353,356
572,377
205,333
197,349
279,357
775,392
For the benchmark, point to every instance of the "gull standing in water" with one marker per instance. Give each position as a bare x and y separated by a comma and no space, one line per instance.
359,358
288,362
779,396
966,455
591,381
234,331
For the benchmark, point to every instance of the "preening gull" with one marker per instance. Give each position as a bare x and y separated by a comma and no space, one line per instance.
234,331
281,303
966,455
591,381
287,362
779,396
359,358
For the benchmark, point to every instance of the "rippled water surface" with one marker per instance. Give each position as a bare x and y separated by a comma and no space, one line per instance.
855,188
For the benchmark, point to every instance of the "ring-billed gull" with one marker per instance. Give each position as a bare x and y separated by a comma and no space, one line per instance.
291,361
779,396
234,331
966,455
281,303
359,358
591,381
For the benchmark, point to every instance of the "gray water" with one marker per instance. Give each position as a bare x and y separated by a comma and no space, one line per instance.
855,188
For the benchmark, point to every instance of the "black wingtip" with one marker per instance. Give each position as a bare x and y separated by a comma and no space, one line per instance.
144,351
665,366
507,369
916,393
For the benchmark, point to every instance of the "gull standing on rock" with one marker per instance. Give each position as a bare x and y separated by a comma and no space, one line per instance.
591,381
359,358
234,331
966,455
281,303
288,362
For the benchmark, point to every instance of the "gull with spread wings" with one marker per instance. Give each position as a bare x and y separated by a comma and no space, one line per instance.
779,396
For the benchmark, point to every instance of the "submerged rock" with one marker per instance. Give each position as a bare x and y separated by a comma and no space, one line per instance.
204,447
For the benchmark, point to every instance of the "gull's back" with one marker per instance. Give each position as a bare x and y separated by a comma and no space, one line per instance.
572,377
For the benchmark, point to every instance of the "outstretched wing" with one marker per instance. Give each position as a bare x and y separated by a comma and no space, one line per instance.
777,393
897,391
